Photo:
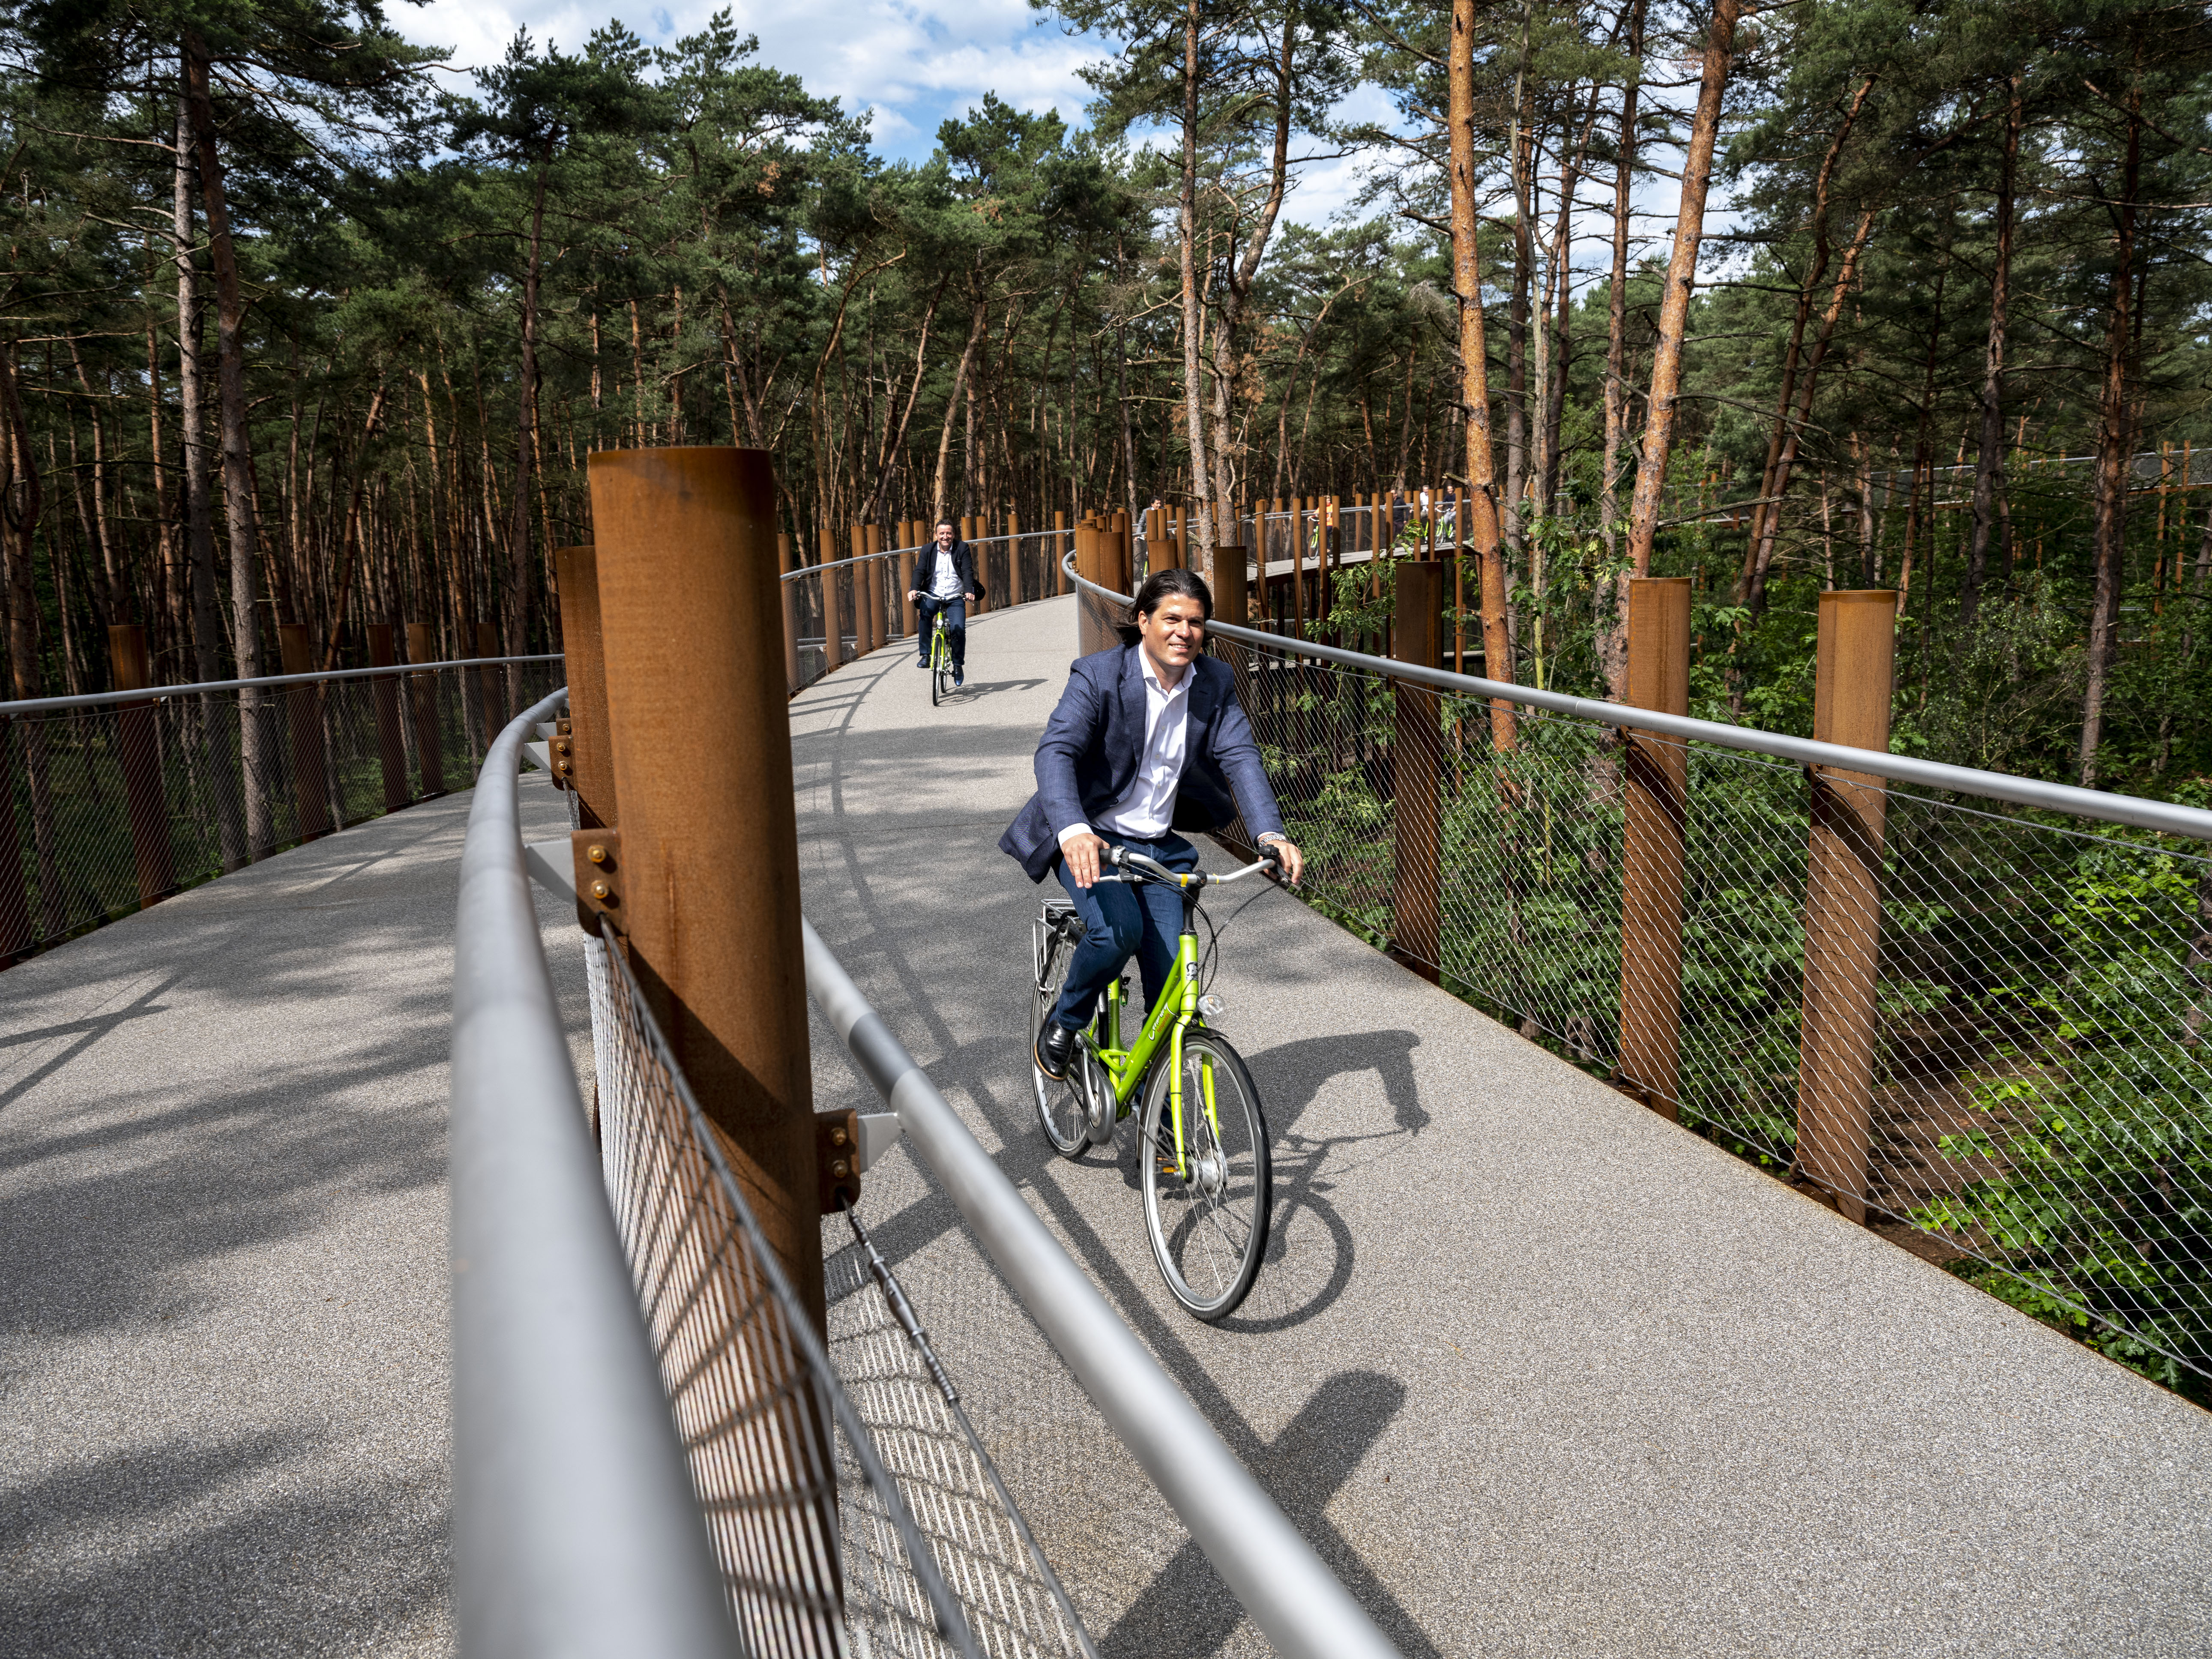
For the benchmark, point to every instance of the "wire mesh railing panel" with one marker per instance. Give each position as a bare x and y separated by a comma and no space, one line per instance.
850,1514
107,808
883,1359
1990,1024
1097,1518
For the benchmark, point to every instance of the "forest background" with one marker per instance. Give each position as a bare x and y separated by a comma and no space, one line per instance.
294,332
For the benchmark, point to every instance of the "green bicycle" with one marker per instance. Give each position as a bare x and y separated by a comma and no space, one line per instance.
940,662
1207,1177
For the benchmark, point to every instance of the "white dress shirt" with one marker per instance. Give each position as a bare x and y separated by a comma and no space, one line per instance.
1146,810
945,579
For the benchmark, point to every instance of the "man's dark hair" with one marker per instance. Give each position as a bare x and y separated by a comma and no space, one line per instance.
1159,588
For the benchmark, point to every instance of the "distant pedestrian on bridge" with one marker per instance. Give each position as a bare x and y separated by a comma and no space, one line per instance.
1148,739
945,579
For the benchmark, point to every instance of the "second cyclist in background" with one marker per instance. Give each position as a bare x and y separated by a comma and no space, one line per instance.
945,579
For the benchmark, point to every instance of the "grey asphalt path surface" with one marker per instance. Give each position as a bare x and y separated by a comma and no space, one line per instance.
224,1353
1537,1372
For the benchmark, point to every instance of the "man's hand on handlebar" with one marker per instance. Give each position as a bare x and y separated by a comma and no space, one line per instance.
1083,853
1293,861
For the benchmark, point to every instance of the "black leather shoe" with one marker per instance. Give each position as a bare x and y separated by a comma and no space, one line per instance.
1055,1047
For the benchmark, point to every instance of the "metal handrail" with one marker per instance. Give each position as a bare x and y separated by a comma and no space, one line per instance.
576,1531
155,693
1293,1597
2195,822
805,570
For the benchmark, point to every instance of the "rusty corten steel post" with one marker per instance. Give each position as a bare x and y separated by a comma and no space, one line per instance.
790,591
150,845
1231,586
1417,920
303,709
832,583
880,573
709,833
1086,605
1013,557
1656,809
906,608
592,761
864,627
390,744
422,646
1843,898
1057,582
491,687
1114,552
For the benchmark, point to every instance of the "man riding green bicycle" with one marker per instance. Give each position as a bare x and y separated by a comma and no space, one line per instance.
1148,740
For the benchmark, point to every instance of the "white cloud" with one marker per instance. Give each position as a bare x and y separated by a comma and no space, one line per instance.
912,65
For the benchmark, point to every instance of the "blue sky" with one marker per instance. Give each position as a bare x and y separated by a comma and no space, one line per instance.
911,63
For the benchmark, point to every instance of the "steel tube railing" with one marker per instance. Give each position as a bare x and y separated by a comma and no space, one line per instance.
1291,1594
2143,814
155,693
576,1530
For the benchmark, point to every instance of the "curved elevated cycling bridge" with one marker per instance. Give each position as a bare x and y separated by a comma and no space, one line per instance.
1537,1372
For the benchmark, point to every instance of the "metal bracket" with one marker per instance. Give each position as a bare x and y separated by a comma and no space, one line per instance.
551,864
561,751
838,1158
537,755
595,858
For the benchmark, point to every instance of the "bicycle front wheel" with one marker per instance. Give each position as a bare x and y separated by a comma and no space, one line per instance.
940,679
1061,1108
1206,1211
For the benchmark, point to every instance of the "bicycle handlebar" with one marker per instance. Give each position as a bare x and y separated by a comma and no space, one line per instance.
1137,867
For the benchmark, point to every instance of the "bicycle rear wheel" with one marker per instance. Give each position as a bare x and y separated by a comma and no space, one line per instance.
1208,1223
1061,1108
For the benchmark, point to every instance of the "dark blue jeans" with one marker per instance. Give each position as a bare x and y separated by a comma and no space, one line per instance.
956,626
1120,922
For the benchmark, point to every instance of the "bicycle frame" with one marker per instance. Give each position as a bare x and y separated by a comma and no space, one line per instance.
1165,1022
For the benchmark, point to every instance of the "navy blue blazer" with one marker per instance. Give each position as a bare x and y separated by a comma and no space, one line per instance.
964,565
1092,745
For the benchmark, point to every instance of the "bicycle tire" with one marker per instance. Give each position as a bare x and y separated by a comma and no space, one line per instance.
940,682
1062,1110
1208,1234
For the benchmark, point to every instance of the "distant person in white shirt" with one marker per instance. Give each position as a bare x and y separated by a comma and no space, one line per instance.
945,579
1148,739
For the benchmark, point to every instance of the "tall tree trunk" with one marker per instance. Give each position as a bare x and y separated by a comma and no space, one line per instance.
198,529
1613,645
1681,278
519,591
2115,440
1194,311
1237,282
114,596
1778,478
239,507
1989,459
1766,509
22,498
1518,139
939,505
349,551
1482,527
